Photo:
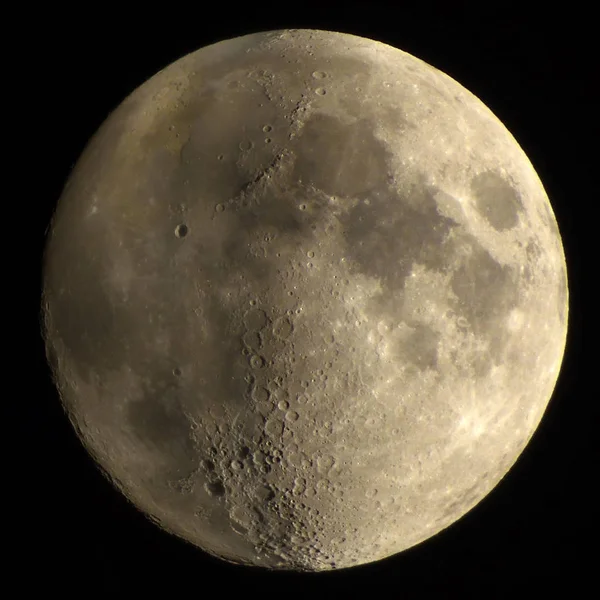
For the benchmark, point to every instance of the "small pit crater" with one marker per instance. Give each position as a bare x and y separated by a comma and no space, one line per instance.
181,230
274,427
257,361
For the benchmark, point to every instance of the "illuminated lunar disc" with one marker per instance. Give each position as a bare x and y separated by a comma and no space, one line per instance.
305,299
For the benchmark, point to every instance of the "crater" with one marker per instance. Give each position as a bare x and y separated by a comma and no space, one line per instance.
252,340
181,230
255,319
215,488
282,328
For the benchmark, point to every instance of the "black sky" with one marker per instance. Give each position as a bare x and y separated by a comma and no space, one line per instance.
537,70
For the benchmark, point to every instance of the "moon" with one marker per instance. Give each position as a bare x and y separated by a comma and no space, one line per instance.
305,300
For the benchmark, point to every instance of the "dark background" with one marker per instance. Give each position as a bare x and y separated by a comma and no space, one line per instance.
537,531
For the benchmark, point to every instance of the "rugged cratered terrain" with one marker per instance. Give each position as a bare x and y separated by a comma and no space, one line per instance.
305,299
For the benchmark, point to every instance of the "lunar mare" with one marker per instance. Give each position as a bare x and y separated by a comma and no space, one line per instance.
305,299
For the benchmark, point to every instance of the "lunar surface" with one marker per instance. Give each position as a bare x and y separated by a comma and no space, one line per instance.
305,299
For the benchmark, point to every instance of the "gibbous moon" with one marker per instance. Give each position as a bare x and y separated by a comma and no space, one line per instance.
305,299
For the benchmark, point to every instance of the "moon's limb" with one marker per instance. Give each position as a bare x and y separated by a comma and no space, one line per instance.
305,299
